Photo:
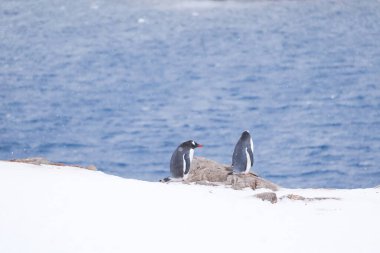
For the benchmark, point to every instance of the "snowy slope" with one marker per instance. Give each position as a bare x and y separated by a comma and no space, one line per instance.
66,209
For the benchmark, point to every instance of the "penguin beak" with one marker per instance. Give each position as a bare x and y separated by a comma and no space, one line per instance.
199,145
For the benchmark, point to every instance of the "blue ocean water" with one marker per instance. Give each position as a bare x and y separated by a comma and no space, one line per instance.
119,84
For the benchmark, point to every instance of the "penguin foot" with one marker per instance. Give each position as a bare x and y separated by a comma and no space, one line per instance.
171,179
253,174
166,179
242,173
236,173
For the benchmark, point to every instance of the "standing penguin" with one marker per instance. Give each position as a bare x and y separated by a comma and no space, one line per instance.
181,159
242,159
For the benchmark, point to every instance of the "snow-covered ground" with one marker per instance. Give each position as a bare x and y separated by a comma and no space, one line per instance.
66,209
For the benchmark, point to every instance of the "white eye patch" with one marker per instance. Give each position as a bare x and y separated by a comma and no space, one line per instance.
193,143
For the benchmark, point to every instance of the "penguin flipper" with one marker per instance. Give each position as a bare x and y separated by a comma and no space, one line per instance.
187,162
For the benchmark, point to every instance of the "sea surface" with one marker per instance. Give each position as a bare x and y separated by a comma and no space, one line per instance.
120,84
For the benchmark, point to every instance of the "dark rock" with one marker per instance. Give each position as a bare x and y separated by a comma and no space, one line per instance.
268,196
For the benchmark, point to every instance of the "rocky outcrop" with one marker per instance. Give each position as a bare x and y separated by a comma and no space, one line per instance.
207,172
41,160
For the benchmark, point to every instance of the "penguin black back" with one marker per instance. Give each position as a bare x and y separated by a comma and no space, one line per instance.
242,158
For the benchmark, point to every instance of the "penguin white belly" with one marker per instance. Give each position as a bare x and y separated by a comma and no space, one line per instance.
248,166
183,165
251,145
191,154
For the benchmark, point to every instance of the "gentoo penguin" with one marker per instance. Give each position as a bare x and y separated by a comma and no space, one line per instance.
242,159
181,159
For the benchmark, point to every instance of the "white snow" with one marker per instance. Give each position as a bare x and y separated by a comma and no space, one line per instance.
66,209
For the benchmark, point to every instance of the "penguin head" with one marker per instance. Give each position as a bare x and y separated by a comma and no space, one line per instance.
192,144
245,135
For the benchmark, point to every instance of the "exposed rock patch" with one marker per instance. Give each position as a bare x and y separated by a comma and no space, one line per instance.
298,197
267,196
41,160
